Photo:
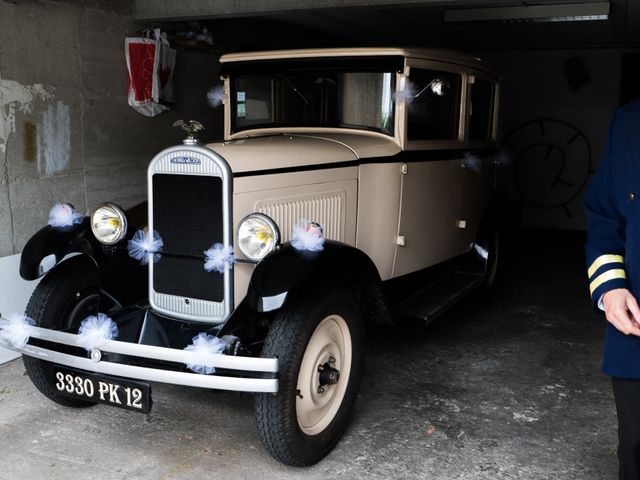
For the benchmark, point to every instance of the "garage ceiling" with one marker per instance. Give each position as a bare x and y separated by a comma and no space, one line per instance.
270,24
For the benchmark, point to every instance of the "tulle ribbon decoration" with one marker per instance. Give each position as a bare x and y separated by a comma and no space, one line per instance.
503,159
17,331
218,257
64,215
144,245
95,330
406,94
472,162
307,236
206,348
216,96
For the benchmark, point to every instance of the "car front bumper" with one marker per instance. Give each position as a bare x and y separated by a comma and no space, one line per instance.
244,366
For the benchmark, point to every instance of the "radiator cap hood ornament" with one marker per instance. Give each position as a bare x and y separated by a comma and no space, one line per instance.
191,127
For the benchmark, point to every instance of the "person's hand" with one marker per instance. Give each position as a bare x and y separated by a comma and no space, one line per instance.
621,309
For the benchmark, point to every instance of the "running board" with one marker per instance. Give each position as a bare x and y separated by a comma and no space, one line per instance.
438,296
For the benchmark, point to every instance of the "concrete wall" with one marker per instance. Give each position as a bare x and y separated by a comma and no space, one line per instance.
553,172
66,131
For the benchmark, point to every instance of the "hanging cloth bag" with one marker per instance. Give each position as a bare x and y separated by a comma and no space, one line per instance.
148,81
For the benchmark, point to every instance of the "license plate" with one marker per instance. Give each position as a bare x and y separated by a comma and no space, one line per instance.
112,391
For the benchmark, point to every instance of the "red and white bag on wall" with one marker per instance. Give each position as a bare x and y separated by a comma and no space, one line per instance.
151,64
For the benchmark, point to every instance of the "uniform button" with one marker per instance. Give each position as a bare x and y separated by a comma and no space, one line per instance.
632,197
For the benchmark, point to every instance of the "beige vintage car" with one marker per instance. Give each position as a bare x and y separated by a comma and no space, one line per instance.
353,186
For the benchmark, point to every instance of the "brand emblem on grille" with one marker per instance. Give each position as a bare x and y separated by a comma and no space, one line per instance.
187,160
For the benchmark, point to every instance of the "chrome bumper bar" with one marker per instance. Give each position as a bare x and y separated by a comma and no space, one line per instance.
240,384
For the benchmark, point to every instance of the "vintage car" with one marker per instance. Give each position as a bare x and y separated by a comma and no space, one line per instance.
352,186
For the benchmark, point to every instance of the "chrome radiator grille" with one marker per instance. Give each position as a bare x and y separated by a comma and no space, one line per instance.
190,207
188,213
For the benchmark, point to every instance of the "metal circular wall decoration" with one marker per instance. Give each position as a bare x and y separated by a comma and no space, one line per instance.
552,162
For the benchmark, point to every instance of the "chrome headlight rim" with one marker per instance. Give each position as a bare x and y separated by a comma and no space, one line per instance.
122,219
270,223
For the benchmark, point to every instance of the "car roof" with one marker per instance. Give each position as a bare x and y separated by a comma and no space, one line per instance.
450,56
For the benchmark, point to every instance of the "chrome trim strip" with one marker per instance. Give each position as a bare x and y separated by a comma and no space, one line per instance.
211,164
248,364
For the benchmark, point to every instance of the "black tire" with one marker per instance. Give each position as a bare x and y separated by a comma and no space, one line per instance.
288,339
63,298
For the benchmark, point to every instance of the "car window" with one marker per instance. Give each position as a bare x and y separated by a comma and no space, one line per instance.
309,98
434,107
481,110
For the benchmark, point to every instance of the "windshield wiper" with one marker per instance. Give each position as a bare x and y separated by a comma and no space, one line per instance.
293,87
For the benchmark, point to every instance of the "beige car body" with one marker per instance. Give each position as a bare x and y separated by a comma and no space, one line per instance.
405,216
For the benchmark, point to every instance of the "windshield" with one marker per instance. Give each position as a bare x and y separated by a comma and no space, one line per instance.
313,98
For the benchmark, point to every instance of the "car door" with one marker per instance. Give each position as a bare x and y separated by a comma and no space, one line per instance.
429,230
480,159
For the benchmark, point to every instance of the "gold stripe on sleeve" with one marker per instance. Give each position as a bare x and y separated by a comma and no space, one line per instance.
603,260
606,276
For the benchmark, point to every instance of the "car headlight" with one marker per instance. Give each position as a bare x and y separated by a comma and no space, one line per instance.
257,236
109,223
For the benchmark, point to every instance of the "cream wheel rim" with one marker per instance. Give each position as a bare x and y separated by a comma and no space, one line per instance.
317,404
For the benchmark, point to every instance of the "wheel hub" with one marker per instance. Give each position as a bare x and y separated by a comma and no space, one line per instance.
328,375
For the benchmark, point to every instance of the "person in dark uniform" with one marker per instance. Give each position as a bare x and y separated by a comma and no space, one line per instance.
613,263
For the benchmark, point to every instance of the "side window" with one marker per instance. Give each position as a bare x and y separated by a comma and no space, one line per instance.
481,110
434,109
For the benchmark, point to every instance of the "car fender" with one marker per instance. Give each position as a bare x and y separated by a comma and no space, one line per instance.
287,272
56,243
121,276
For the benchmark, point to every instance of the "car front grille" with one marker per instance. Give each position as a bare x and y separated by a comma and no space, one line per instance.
187,212
189,206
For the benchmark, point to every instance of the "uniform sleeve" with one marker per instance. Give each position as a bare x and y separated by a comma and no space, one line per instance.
605,245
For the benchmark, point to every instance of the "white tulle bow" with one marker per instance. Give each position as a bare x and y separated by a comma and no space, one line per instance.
17,331
205,349
216,96
308,236
406,94
218,257
472,162
64,215
95,330
144,245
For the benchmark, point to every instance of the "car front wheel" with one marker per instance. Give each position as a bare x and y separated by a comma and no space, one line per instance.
64,297
319,344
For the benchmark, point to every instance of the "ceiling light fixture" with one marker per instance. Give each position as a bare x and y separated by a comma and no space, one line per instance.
565,12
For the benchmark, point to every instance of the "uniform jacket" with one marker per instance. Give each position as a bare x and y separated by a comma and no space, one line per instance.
613,237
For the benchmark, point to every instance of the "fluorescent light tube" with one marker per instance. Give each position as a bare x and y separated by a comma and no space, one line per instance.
566,12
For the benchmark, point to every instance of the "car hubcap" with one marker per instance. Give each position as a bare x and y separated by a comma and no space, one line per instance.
324,375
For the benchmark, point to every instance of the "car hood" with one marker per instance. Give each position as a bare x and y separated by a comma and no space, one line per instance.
300,150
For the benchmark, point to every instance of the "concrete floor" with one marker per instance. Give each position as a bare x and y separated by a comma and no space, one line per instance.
505,390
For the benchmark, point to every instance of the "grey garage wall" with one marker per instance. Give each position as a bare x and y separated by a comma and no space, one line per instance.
66,132
535,88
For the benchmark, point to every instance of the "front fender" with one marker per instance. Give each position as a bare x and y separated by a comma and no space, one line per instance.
287,272
120,275
55,241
